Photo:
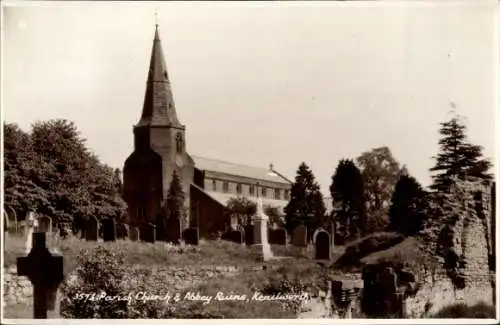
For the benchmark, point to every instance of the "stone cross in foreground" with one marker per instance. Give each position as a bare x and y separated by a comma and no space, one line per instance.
45,271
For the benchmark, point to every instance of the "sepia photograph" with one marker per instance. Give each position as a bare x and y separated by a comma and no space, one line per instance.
309,160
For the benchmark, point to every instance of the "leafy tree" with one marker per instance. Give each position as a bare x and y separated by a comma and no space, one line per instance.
409,206
380,173
52,172
21,193
275,216
457,157
306,202
241,208
347,192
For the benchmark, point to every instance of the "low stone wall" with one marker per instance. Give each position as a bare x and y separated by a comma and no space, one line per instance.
16,289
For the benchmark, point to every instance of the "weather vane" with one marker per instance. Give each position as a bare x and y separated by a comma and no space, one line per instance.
156,17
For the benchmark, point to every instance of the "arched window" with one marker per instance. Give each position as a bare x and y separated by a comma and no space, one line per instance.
238,188
214,185
252,190
178,143
264,192
225,187
277,194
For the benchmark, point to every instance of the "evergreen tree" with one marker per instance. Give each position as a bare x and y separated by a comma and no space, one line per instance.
347,192
175,198
409,206
457,157
306,202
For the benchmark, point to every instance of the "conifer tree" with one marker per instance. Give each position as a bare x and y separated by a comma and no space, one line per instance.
175,198
306,202
457,157
409,206
347,193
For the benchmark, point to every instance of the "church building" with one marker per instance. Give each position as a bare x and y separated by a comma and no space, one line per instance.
208,184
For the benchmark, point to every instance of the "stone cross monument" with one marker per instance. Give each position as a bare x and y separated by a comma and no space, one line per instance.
260,231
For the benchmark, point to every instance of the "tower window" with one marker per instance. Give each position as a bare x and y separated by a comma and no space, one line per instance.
252,190
178,143
225,187
264,192
277,194
214,185
238,188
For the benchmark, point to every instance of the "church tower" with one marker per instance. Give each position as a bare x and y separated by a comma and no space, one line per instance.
159,148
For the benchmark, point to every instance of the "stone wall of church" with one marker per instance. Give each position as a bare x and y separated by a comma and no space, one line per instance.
245,186
207,214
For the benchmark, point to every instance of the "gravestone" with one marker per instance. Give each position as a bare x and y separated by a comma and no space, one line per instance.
161,228
122,231
316,232
10,222
30,225
173,231
108,229
44,224
249,235
299,236
133,234
191,236
148,233
45,271
234,236
277,236
91,228
322,245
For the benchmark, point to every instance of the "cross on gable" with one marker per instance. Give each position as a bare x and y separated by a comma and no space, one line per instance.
45,272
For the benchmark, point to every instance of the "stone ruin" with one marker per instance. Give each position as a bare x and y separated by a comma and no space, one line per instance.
464,249
467,244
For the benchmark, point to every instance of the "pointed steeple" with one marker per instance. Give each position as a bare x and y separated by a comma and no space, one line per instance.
159,106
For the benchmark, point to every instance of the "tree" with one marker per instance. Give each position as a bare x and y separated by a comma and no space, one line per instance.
457,157
347,192
380,173
409,206
241,208
51,171
175,198
21,192
275,216
306,202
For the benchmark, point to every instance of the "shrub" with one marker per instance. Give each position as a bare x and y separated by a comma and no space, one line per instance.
365,246
101,272
461,310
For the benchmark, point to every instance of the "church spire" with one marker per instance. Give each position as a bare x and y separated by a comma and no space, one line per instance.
159,106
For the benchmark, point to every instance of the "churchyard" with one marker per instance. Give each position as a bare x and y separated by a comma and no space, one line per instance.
236,265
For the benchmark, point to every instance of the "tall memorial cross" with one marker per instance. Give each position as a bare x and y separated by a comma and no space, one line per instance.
45,271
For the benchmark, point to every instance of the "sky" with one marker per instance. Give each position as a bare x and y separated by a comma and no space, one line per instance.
258,82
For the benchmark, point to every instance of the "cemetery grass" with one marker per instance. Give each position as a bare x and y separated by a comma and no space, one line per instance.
295,264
